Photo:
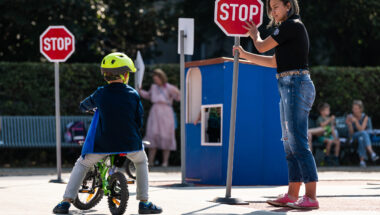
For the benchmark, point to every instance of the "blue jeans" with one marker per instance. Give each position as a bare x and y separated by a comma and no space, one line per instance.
297,94
364,141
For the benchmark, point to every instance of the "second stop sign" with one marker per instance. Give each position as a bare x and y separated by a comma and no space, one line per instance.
231,15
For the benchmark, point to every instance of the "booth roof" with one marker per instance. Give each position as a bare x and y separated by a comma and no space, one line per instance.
218,60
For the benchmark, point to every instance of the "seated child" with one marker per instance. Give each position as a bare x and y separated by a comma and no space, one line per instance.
329,136
117,131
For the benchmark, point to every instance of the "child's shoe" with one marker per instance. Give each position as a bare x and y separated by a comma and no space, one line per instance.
62,208
363,164
281,201
304,203
149,208
374,157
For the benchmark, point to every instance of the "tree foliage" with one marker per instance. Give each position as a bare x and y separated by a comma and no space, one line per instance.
342,32
99,26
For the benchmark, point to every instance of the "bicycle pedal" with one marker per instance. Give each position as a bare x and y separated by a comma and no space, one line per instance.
130,181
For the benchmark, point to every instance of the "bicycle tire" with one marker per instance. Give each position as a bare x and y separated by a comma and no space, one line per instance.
96,185
130,166
118,198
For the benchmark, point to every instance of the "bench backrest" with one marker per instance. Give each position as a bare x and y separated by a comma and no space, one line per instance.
35,131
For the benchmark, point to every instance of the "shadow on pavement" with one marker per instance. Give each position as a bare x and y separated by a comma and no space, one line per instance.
196,211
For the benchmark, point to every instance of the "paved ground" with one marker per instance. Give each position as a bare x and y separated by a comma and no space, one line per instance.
341,191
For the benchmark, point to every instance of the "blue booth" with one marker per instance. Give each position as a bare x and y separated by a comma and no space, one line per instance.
259,153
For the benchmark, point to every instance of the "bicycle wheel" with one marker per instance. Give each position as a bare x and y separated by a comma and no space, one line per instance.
130,169
91,192
118,198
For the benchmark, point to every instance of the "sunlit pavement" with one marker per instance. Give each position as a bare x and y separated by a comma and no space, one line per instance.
340,191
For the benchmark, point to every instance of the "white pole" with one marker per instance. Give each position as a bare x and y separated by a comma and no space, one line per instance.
57,120
183,138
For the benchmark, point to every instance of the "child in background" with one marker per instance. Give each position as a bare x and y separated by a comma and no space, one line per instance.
329,136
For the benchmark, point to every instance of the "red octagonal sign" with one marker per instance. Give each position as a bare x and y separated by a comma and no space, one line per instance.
230,15
57,43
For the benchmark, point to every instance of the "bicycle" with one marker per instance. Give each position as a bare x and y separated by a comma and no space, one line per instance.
130,168
104,180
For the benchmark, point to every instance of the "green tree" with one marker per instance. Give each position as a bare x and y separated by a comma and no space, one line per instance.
99,26
343,32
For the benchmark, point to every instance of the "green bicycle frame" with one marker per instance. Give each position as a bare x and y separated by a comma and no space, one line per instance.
103,170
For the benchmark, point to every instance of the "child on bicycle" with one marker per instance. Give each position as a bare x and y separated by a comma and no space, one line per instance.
117,131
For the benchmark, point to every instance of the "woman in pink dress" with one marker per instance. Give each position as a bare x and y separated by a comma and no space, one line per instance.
160,131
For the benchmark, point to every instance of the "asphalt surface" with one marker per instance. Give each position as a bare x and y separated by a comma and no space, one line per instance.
345,190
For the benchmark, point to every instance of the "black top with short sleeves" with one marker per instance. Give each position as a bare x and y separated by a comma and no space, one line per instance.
293,49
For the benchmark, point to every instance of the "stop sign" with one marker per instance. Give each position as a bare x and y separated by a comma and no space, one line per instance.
57,43
231,15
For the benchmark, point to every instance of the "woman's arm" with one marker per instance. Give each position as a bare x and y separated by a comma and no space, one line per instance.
262,60
363,126
174,92
261,45
145,94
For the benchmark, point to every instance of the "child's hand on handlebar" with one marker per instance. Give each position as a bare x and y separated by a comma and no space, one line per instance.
91,111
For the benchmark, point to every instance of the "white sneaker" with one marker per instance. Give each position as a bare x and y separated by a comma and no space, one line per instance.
362,164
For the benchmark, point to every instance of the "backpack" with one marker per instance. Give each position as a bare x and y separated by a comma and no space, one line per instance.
75,132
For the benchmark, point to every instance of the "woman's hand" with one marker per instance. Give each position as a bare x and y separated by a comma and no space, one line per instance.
241,51
349,120
354,120
252,29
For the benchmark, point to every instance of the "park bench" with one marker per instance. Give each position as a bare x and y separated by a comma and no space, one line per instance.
348,150
35,131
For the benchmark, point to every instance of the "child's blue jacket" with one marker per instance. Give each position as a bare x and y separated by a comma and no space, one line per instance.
115,127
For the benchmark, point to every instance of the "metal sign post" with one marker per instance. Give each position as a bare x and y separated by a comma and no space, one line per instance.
183,138
185,46
57,44
227,199
57,123
232,24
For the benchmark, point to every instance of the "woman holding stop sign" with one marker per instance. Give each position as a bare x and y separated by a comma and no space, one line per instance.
291,42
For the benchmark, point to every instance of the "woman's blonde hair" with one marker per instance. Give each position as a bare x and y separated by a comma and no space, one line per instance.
161,75
294,10
358,103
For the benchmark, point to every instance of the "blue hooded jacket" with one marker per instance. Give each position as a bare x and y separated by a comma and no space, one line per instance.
115,127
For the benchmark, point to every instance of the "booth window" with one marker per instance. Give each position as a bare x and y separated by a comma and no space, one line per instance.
212,125
193,94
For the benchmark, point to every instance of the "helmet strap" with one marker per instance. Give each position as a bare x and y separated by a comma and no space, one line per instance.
125,78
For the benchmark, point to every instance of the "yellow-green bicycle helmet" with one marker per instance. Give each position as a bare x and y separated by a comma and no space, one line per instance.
117,64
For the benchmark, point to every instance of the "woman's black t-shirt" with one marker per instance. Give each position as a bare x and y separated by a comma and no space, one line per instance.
293,49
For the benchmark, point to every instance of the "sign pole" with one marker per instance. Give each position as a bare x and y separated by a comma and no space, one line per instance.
185,46
232,121
57,44
57,124
183,139
228,199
